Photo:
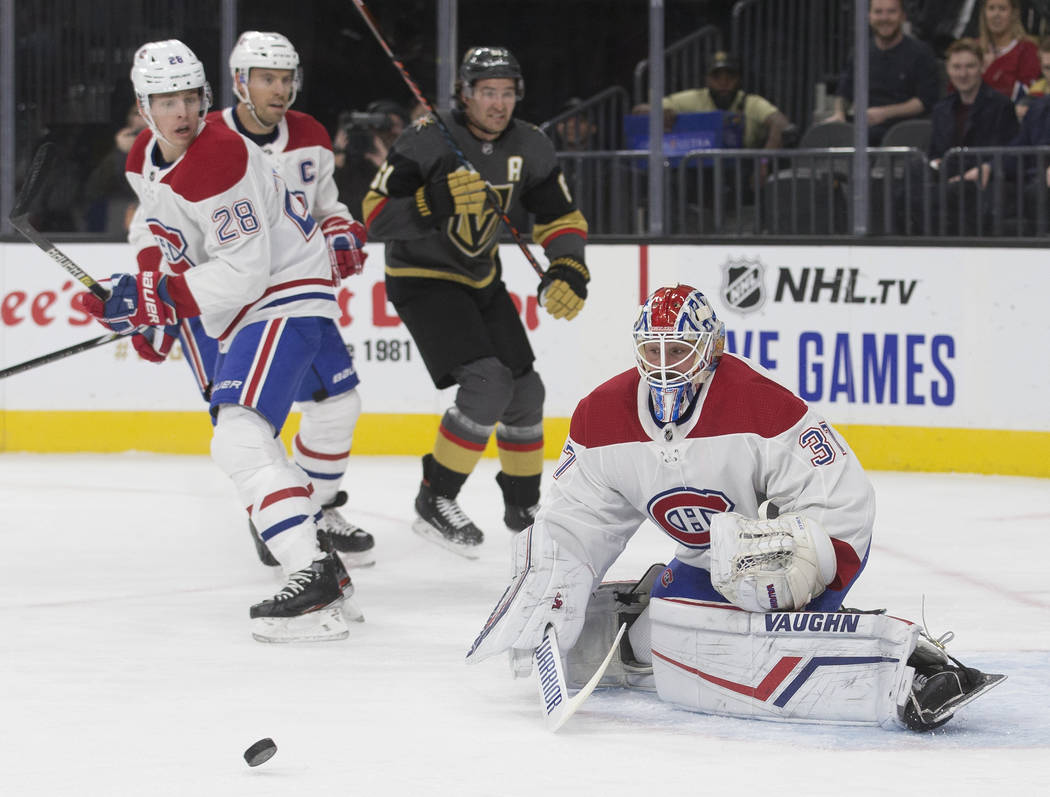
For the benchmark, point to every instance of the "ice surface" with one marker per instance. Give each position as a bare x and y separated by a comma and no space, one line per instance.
127,668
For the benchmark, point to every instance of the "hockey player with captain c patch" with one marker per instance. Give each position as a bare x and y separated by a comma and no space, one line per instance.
772,515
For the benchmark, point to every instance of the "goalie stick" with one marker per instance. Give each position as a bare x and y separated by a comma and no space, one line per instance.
20,219
558,707
490,194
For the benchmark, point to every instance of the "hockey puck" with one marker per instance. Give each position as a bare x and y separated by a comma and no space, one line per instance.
260,752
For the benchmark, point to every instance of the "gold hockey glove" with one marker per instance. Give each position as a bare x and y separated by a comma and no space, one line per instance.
451,195
564,287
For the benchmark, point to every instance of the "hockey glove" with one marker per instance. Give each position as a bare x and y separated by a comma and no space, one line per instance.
564,287
554,586
346,239
147,299
451,195
154,343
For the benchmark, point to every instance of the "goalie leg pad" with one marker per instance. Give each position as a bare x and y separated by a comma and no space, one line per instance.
815,667
613,604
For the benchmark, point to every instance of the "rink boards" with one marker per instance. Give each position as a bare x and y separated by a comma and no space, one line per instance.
924,358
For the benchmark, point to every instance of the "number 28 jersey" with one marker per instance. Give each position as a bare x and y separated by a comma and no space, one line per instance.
222,217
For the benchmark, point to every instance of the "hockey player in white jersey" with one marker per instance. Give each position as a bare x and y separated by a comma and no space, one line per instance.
266,79
220,238
771,512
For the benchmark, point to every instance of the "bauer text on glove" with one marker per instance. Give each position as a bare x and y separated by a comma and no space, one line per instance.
451,194
346,239
564,287
146,299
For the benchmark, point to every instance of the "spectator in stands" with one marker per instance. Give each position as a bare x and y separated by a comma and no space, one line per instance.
764,125
361,144
941,22
1040,87
902,73
109,200
575,133
1011,58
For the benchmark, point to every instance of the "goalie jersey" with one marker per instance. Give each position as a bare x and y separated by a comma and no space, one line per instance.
222,216
748,439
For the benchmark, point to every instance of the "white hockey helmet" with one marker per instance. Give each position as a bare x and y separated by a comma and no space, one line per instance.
678,342
165,66
266,50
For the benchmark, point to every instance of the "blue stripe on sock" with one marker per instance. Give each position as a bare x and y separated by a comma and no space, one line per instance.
284,525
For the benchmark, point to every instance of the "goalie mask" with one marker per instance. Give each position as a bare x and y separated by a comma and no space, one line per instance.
166,66
482,63
264,51
678,341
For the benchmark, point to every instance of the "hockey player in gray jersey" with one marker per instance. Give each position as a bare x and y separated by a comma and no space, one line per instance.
443,275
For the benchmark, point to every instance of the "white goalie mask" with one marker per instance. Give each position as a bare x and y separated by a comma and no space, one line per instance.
262,50
166,66
678,341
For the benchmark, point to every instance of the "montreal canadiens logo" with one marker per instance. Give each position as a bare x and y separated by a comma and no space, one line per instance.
685,513
172,245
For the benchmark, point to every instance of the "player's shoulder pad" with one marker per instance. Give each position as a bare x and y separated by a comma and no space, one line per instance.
609,414
305,131
215,117
137,154
743,401
215,162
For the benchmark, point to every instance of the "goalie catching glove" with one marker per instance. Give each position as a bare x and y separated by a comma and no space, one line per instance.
346,239
452,194
564,287
553,586
770,565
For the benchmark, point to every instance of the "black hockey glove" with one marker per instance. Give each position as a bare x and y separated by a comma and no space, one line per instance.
450,195
564,287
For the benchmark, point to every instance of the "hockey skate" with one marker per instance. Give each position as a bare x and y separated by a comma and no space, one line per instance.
441,520
265,556
335,533
310,607
519,518
941,686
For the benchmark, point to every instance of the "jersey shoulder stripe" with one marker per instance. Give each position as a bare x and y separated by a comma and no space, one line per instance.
743,401
305,131
215,162
609,414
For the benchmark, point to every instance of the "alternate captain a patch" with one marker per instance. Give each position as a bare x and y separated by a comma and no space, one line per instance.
684,513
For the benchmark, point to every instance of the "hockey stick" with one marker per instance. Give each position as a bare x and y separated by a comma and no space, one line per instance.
20,219
554,692
44,359
490,194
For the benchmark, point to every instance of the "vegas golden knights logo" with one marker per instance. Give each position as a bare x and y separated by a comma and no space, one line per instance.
475,235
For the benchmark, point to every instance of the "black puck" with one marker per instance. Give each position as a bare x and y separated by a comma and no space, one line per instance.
260,752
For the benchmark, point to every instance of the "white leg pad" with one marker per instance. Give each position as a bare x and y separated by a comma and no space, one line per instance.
816,667
326,435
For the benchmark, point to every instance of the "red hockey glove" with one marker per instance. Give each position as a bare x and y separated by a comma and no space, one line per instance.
345,239
154,343
148,299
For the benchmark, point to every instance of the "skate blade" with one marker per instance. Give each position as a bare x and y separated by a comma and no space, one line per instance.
357,560
988,681
425,530
324,625
352,612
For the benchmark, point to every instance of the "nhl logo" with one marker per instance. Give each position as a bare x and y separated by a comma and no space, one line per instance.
743,288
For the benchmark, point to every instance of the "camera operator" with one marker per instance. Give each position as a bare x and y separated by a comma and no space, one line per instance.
361,144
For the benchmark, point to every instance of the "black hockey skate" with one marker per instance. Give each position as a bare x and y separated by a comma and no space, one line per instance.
519,518
308,608
941,686
260,547
335,533
442,521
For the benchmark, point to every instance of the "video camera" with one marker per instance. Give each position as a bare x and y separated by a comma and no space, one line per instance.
361,127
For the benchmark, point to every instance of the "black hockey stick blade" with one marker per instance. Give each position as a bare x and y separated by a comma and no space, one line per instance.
34,181
44,359
27,197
